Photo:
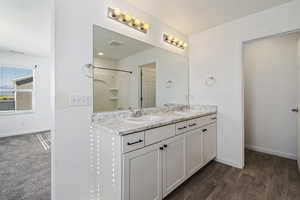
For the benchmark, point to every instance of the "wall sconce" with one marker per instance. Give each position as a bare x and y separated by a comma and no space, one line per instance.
128,20
174,41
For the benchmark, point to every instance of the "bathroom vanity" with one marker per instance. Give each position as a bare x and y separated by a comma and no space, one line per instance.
144,155
147,157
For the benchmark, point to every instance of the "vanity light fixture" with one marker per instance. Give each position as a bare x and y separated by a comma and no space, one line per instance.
174,41
128,20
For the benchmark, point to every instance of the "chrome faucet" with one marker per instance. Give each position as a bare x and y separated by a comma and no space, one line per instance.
136,112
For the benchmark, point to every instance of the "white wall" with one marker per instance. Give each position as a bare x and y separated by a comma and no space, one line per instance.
74,48
169,66
270,71
39,120
218,52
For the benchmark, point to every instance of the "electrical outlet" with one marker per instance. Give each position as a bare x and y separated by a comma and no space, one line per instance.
79,100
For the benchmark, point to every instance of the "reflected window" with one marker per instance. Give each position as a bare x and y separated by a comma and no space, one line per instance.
16,89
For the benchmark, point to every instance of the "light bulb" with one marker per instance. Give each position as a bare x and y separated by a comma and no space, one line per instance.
175,40
146,26
170,38
127,18
137,22
185,45
180,43
117,12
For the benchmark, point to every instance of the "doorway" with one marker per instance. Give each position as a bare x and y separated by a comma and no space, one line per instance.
298,141
271,95
148,85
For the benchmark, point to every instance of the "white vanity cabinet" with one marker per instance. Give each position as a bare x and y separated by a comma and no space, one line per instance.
153,172
209,142
194,151
173,164
152,163
142,174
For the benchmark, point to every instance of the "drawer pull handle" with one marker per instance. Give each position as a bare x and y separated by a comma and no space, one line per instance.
204,130
132,143
213,118
191,125
181,128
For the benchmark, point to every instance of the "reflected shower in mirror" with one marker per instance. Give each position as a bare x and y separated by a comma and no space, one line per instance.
131,73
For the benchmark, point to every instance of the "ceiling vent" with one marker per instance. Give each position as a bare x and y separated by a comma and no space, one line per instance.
115,43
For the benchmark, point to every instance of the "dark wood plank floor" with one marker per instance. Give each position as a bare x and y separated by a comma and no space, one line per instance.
265,177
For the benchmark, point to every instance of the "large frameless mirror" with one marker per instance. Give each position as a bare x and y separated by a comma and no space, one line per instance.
131,73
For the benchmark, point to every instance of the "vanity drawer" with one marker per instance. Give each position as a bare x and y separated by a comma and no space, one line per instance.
207,120
133,141
181,127
193,123
159,134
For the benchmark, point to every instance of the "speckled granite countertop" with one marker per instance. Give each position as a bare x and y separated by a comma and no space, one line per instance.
122,123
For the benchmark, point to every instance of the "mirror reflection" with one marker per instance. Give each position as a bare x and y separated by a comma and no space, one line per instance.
129,73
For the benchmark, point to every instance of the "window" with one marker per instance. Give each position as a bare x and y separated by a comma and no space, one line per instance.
16,89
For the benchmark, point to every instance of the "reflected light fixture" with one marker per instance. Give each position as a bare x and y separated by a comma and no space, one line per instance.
127,19
174,41
100,54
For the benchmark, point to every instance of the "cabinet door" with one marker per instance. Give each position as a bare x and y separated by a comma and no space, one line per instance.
194,156
142,174
173,164
209,142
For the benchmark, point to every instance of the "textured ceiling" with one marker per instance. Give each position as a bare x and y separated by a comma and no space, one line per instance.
25,26
103,39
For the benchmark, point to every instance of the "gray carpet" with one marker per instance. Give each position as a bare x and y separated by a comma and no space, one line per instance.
25,167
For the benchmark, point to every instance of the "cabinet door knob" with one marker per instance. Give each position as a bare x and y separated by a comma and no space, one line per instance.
165,146
204,130
161,148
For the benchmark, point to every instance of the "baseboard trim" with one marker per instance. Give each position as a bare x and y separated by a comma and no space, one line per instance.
25,133
230,163
271,152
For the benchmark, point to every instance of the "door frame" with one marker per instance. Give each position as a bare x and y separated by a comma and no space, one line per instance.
242,81
140,79
298,131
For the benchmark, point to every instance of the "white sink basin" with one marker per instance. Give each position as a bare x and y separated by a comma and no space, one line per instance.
143,119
